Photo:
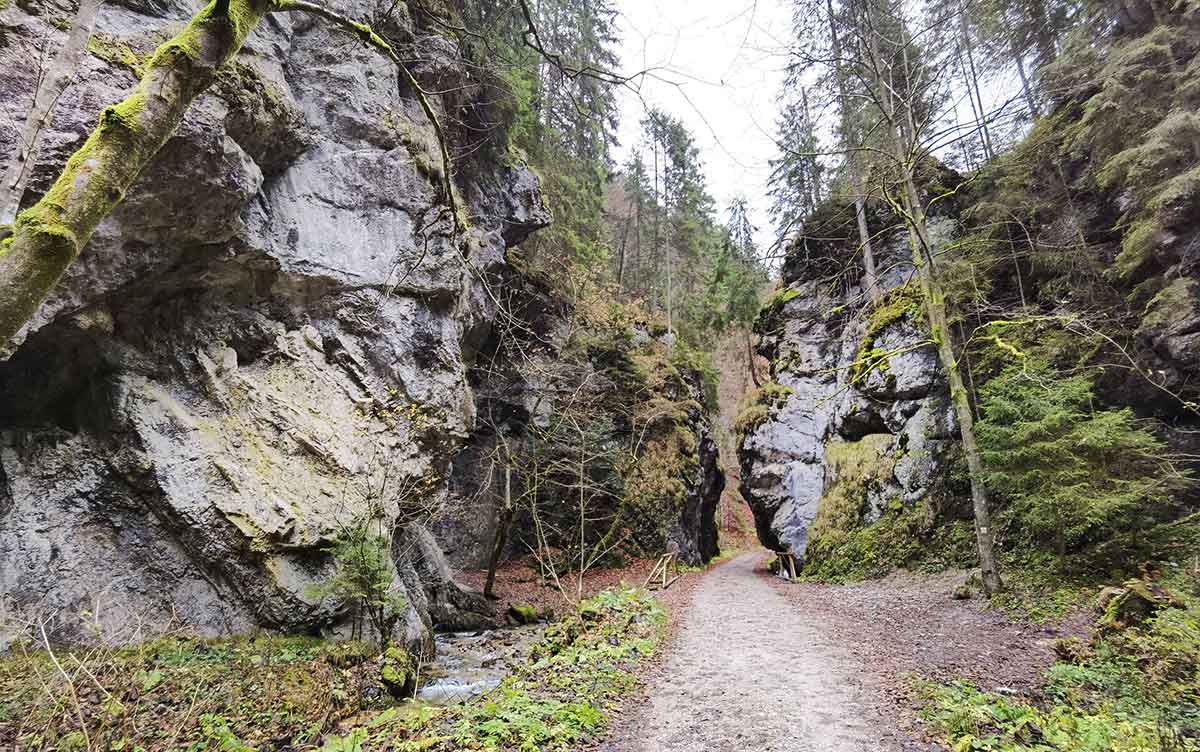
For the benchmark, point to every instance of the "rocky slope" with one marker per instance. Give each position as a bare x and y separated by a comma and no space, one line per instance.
542,373
269,337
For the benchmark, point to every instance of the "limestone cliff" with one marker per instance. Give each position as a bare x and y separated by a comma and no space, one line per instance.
856,398
274,321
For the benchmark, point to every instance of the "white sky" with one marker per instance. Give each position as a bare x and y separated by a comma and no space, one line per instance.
718,67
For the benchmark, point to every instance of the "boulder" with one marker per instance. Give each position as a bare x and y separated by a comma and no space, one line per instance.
1131,604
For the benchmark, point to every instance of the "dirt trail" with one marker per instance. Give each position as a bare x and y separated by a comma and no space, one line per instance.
749,671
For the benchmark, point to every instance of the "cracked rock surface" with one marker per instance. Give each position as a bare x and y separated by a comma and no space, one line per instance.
273,321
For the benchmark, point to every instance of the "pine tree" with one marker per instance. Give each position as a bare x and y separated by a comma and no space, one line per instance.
1069,470
797,180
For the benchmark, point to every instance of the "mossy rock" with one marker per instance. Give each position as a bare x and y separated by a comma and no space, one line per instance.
398,672
557,638
348,654
1132,604
758,406
522,613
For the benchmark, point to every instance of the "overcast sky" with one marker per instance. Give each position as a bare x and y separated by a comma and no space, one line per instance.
718,67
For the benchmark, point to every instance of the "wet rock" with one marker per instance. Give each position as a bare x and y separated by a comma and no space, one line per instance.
521,613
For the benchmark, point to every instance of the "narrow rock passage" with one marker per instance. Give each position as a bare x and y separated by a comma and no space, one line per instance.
748,671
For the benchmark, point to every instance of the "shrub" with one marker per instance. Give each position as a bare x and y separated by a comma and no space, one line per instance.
362,579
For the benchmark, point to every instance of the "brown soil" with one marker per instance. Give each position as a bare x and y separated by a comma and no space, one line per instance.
518,582
908,626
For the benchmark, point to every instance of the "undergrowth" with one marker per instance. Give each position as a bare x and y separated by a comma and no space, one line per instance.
1135,689
183,694
579,668
256,694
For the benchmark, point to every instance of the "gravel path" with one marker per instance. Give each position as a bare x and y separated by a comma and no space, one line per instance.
749,671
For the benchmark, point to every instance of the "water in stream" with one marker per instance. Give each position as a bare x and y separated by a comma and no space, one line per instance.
471,663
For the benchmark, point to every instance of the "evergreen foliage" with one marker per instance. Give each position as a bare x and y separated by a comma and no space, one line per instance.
362,580
1073,473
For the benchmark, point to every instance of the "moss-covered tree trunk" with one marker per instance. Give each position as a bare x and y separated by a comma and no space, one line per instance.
49,235
935,307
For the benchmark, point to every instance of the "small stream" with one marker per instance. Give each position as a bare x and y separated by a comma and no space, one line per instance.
471,663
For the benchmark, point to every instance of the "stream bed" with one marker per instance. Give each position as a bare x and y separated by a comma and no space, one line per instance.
471,663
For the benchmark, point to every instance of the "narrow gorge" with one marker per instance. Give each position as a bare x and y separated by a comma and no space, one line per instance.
485,375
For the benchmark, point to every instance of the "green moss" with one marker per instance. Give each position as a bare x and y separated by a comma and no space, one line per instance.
779,299
125,114
242,16
1173,302
523,613
858,466
758,406
843,547
398,672
898,305
42,221
1137,248
112,50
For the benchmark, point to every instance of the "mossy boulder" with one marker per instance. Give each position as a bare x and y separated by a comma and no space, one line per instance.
522,613
398,672
1132,604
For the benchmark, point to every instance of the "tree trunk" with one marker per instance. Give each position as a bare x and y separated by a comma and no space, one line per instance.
48,236
53,80
905,136
750,362
1026,88
973,84
935,306
856,182
503,522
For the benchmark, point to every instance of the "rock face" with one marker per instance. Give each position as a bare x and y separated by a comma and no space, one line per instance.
269,338
854,395
661,475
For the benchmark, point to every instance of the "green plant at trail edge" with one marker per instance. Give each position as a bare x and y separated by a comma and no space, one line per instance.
1131,690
